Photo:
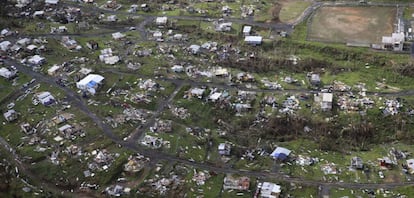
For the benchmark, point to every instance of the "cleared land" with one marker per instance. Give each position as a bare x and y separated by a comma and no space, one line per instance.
292,9
352,24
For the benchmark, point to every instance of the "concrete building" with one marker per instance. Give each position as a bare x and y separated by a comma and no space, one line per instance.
269,190
247,30
6,73
394,42
10,115
45,98
326,102
36,60
52,71
236,183
161,21
224,149
253,40
90,83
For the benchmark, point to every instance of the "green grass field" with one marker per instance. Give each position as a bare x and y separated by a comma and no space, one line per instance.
291,10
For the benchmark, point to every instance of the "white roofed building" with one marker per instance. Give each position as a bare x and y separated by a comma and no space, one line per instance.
246,30
269,190
90,83
253,40
45,98
410,166
36,60
326,103
5,45
10,115
118,35
394,42
6,73
280,153
224,149
52,71
52,2
161,21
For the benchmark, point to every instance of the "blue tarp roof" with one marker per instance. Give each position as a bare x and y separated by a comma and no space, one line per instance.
280,156
91,84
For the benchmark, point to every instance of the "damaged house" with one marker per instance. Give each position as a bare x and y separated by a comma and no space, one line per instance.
10,115
90,83
236,183
7,74
45,98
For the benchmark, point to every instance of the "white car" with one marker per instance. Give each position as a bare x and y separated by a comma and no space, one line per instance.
381,174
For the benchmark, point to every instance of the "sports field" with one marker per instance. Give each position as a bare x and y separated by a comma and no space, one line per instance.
352,24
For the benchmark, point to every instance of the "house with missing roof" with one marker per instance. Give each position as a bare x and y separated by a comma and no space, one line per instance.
45,98
270,190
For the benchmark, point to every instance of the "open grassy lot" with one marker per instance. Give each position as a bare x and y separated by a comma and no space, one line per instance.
352,24
292,9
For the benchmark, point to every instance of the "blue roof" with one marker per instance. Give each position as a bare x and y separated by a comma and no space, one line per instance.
91,84
281,156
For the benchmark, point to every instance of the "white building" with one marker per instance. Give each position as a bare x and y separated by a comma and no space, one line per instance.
23,42
280,153
31,47
326,103
111,60
22,3
52,2
118,35
36,60
215,96
197,92
394,42
177,68
6,73
5,45
157,34
246,30
194,49
90,83
107,57
224,149
161,21
38,13
269,190
253,40
224,27
52,71
45,98
10,115
410,165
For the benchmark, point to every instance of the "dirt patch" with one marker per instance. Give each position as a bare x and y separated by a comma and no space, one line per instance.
274,13
292,10
352,24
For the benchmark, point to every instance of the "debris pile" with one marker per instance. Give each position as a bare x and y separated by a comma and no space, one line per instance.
136,163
